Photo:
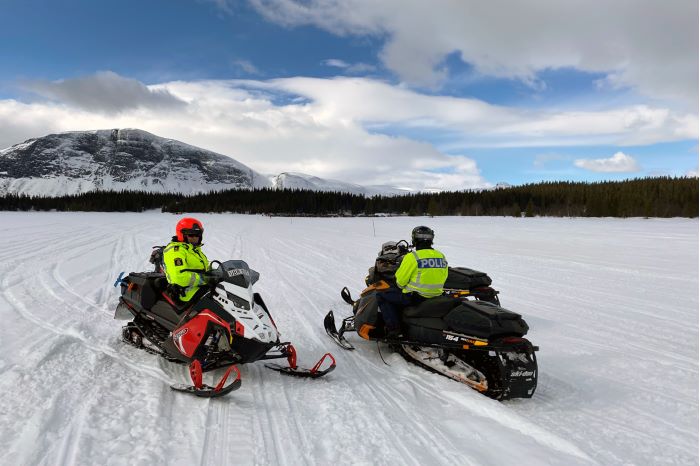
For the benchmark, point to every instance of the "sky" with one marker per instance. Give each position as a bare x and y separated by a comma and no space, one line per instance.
446,94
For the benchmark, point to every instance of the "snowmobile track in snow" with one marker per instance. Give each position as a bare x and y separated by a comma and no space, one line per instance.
608,301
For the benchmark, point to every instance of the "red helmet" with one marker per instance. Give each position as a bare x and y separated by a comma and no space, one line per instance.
188,226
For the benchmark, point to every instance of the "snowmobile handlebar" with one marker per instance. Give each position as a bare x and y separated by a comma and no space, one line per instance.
214,275
211,276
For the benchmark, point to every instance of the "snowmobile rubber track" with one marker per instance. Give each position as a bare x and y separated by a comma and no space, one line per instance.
154,337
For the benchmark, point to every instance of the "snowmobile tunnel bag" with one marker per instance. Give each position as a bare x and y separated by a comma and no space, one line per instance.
485,320
462,278
141,288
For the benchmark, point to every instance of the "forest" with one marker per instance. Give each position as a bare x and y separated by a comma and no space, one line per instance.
640,197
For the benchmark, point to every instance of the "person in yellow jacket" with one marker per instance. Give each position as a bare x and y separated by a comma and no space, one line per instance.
185,252
420,276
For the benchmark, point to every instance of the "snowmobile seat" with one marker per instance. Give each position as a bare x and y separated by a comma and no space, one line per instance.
165,311
424,322
437,307
160,284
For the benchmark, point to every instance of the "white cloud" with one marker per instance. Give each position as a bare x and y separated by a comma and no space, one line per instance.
618,163
338,128
352,68
651,46
104,91
247,67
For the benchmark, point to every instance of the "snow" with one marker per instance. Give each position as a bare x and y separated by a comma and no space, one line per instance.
612,304
293,180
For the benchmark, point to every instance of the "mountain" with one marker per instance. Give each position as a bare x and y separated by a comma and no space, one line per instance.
132,159
291,180
118,159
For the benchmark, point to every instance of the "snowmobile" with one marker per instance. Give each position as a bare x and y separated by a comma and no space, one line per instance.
225,323
464,334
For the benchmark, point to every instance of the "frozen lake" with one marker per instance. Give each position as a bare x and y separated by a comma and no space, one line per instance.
612,304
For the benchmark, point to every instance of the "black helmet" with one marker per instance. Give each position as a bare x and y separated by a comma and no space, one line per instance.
422,235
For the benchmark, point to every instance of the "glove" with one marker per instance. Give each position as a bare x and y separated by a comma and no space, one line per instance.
211,276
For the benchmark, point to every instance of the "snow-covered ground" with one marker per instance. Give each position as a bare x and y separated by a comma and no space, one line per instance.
613,305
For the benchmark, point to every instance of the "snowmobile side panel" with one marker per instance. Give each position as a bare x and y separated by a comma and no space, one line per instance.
188,337
122,312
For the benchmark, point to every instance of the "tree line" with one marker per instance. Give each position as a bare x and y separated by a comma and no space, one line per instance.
640,197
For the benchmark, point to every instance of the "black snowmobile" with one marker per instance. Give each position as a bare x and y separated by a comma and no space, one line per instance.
464,334
224,324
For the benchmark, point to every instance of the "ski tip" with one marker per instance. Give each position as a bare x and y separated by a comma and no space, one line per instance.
345,294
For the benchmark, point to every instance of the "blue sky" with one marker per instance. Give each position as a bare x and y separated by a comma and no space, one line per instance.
417,95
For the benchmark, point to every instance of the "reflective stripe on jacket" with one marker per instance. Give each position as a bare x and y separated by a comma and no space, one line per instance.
179,256
423,271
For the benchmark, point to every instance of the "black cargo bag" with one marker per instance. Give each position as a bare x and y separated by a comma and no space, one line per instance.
462,278
140,289
485,320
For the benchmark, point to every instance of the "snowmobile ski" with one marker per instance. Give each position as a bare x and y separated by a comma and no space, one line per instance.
345,294
205,391
314,373
332,331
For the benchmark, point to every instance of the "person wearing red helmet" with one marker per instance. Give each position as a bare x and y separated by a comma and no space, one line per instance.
185,252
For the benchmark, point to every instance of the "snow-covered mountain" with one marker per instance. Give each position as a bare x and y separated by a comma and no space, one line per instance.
132,159
293,180
117,159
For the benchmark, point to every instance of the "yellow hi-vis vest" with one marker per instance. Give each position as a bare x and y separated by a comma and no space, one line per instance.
424,272
178,256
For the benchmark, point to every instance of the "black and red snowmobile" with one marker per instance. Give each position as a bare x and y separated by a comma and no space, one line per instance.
464,334
224,324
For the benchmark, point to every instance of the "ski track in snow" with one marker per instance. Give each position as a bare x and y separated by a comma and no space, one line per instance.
613,305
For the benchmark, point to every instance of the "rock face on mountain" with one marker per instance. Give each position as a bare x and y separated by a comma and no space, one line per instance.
118,159
131,159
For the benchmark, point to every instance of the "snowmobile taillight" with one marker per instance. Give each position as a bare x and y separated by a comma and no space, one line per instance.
320,361
291,356
513,340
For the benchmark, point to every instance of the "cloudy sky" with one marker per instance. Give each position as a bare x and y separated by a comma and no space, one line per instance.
445,94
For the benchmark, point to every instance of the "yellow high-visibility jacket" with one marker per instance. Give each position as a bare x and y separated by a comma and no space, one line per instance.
423,271
178,256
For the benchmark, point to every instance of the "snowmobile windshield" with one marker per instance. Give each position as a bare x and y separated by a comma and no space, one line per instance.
238,273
